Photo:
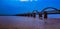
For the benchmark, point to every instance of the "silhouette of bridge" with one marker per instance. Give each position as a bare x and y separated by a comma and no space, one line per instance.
54,11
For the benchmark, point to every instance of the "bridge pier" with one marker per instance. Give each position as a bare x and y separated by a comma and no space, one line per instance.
40,15
25,14
28,15
45,15
34,15
31,15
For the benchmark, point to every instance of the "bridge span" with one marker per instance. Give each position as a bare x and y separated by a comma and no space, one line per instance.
44,11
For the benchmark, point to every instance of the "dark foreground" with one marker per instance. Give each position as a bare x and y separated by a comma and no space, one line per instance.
16,22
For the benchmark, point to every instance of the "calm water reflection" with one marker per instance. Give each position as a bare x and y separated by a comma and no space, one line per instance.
26,22
54,16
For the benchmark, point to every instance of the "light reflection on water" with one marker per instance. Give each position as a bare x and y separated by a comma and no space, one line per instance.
54,16
18,21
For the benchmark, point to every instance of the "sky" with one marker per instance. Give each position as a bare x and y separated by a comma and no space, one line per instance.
25,6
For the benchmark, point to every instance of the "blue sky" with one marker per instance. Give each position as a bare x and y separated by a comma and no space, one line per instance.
16,6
